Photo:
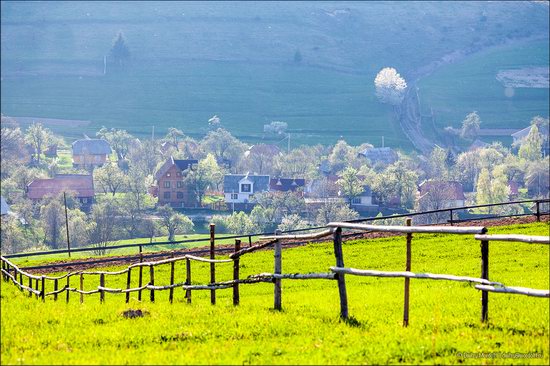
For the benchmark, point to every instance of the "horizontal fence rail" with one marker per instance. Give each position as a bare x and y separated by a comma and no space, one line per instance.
11,272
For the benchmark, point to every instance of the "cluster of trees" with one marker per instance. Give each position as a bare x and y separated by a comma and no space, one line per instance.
124,209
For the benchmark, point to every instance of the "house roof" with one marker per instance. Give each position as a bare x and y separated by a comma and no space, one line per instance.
383,155
454,189
231,182
4,208
286,184
91,146
170,162
265,149
83,185
519,135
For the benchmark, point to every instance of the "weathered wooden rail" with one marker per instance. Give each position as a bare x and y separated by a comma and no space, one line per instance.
11,272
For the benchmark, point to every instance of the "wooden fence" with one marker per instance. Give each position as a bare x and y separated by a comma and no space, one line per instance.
12,272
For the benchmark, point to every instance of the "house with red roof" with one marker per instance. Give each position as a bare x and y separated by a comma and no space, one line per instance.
82,185
441,194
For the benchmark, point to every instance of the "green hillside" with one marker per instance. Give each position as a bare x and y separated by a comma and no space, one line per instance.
444,316
191,60
472,85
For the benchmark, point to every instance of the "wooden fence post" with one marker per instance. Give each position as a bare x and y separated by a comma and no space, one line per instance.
338,253
68,286
102,284
43,288
188,279
484,275
81,288
236,297
249,241
538,211
55,287
278,270
212,265
128,281
30,285
407,280
451,220
172,270
36,286
21,280
140,272
152,282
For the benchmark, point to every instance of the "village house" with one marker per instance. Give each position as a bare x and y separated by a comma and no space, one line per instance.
435,195
170,187
90,153
287,185
365,202
81,185
380,155
239,189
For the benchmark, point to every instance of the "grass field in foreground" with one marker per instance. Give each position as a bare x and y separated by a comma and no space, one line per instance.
444,316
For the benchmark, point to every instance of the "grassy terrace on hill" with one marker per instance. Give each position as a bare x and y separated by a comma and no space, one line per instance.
471,85
444,317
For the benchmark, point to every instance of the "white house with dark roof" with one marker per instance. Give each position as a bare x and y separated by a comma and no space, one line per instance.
239,189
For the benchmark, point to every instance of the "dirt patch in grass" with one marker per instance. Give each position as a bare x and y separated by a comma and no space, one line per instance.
528,77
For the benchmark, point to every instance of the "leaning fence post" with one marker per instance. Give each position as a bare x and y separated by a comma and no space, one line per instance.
538,211
81,288
43,288
278,270
140,272
236,297
68,286
485,276
55,287
152,281
128,280
338,253
172,269
102,284
188,279
212,265
407,280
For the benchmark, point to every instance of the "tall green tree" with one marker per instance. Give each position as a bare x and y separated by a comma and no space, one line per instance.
350,183
470,126
531,146
38,137
119,50
174,222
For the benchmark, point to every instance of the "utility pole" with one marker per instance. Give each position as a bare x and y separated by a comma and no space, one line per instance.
288,146
382,141
67,224
153,133
104,65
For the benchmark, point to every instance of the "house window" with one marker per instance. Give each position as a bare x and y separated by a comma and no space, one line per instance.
356,201
167,195
167,184
234,196
168,174
247,188
180,184
180,195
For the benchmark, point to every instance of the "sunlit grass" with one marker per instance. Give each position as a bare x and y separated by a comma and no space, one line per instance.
444,316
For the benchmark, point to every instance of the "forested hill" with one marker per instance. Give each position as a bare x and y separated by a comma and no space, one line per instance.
356,36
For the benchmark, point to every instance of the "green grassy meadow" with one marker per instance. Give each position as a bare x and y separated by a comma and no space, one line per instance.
444,316
471,85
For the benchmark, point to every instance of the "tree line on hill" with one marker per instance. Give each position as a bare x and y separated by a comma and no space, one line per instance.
124,209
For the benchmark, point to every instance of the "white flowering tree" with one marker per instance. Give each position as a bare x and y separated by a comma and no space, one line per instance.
390,86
